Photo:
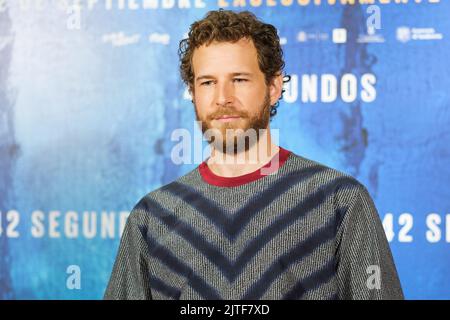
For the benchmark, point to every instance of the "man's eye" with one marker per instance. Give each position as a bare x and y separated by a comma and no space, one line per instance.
240,80
206,83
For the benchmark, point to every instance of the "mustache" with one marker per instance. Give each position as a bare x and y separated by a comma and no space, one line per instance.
227,112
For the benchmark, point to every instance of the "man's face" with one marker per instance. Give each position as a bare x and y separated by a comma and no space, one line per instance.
228,82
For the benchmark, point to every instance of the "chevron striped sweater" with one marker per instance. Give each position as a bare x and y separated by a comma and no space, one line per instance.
305,231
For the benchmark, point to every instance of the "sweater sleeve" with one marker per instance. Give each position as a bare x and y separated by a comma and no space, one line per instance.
130,277
364,262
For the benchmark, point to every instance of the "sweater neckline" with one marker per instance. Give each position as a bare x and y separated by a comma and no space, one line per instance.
270,167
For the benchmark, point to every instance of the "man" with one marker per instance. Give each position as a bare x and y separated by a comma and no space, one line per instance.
280,227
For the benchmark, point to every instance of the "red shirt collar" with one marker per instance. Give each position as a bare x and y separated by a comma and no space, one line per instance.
211,178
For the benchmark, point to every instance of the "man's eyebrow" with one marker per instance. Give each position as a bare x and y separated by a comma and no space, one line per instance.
234,74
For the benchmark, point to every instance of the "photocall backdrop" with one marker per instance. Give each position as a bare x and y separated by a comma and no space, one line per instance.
90,96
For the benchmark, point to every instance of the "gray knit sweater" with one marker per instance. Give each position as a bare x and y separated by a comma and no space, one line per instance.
306,231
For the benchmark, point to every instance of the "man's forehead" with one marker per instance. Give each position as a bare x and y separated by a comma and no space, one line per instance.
225,58
223,49
243,42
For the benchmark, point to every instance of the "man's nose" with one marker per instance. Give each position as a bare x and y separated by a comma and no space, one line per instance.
224,93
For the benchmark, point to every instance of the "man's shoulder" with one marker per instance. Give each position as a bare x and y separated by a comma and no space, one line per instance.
320,174
165,197
343,191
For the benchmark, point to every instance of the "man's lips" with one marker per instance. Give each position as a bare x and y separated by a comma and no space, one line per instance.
227,118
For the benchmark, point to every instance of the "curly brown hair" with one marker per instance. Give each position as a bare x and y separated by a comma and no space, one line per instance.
228,26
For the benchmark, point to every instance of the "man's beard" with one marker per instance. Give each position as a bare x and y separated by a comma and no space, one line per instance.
236,142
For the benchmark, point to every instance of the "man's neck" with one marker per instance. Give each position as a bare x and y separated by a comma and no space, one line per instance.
233,165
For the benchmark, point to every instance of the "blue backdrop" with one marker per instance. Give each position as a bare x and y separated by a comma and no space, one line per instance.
89,100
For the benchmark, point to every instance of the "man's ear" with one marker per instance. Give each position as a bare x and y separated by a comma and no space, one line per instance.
275,88
191,93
